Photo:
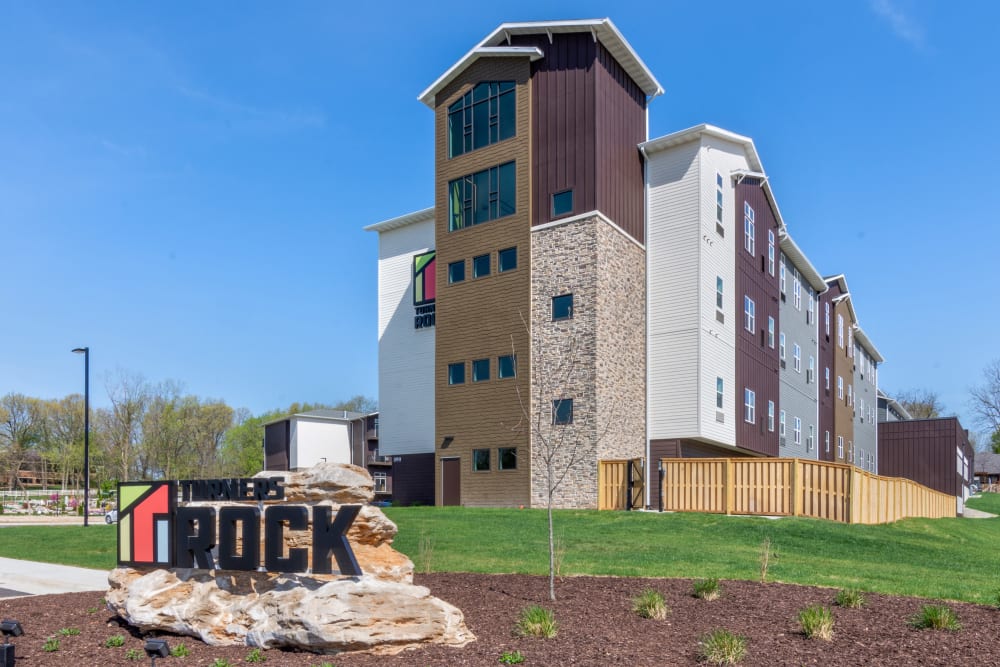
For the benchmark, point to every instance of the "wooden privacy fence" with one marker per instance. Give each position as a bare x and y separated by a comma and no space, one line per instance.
796,487
620,484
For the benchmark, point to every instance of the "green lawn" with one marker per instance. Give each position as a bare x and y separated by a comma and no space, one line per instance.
942,558
987,502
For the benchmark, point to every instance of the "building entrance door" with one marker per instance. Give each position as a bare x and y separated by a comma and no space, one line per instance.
451,481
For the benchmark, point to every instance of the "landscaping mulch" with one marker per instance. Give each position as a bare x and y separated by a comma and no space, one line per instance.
596,627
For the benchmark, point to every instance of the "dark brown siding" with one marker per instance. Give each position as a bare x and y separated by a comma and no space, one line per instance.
924,450
756,361
827,344
588,118
276,453
413,479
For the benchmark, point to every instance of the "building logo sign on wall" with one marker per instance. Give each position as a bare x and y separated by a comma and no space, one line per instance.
154,532
424,289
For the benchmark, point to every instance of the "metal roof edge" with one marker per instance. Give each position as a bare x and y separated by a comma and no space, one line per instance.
401,221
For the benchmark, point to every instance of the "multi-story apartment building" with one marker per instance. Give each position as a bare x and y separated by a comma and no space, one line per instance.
601,295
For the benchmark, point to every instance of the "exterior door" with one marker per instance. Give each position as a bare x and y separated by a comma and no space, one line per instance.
451,481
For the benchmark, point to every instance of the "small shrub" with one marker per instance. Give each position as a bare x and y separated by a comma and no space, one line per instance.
537,622
722,647
221,662
511,658
133,654
51,645
850,598
114,641
69,632
817,622
91,610
180,651
425,553
650,604
256,655
936,617
707,589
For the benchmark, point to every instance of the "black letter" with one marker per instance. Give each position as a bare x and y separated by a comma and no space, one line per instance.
274,539
250,518
327,538
195,547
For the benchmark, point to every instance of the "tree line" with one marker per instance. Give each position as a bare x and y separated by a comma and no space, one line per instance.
149,431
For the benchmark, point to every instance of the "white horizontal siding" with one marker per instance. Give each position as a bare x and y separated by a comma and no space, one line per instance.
673,404
405,354
315,441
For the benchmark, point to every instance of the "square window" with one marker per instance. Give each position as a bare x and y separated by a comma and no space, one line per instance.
480,370
562,411
480,460
562,307
507,458
480,266
456,373
456,272
507,366
562,203
507,260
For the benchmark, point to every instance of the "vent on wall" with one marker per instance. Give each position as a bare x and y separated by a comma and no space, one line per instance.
720,417
720,316
720,229
782,363
781,441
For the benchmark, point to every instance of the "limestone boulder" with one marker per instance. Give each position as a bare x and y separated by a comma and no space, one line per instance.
339,483
314,613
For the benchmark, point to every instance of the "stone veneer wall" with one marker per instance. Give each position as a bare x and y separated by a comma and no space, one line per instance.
597,358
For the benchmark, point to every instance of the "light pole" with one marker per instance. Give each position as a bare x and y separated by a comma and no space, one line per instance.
85,351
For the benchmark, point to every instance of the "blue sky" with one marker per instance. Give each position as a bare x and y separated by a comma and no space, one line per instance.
183,185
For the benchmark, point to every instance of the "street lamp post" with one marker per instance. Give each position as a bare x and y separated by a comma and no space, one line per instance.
85,351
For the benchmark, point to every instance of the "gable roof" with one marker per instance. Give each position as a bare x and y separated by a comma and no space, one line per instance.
987,463
497,43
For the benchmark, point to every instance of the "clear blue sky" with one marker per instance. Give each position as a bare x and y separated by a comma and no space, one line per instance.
183,185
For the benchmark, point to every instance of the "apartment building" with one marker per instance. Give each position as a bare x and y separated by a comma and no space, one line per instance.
601,295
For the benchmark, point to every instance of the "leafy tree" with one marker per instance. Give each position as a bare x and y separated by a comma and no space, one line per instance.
21,429
921,403
122,423
62,439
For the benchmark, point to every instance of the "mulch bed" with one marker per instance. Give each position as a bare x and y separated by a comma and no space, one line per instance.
596,627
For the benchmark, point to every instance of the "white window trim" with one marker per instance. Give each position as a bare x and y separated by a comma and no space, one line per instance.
749,314
797,431
797,357
749,406
781,423
749,229
770,416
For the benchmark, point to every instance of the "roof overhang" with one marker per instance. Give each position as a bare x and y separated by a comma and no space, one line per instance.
704,130
862,337
402,221
497,44
894,404
801,262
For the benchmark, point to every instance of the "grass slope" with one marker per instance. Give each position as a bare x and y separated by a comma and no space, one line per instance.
92,547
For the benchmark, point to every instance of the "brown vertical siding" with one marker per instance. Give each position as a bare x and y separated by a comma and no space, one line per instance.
756,362
924,450
588,118
843,366
276,446
827,397
483,318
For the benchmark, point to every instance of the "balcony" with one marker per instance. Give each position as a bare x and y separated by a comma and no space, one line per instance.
374,459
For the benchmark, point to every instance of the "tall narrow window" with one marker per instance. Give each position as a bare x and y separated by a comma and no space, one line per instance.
811,371
850,342
749,235
840,388
826,307
770,416
840,446
781,345
797,432
840,331
781,423
781,274
811,312
770,332
770,251
809,441
483,116
827,373
749,406
718,203
826,441
718,393
797,291
749,313
797,357
718,292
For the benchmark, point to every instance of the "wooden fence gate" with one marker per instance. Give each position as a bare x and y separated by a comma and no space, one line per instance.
621,484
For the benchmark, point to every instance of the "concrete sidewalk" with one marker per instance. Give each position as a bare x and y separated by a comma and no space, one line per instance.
23,577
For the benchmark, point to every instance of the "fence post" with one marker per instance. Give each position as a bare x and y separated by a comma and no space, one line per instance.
795,487
727,487
850,494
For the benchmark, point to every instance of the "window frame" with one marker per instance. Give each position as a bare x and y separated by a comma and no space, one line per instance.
782,420
557,406
508,252
770,251
770,332
562,214
461,116
464,200
477,262
451,374
569,311
797,431
720,393
476,454
477,368
797,357
749,406
500,366
749,229
500,458
749,314
452,269
770,416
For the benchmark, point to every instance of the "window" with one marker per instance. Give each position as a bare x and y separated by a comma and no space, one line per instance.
480,266
840,387
718,202
456,373
781,423
809,441
480,197
826,441
507,260
507,458
797,357
749,312
797,431
718,292
718,393
456,272
781,274
811,371
770,251
797,292
840,446
749,406
826,307
562,307
840,331
850,395
507,366
483,116
827,374
861,409
480,370
770,416
480,460
562,411
811,311
748,228
781,345
562,203
850,342
380,482
770,332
